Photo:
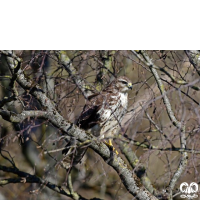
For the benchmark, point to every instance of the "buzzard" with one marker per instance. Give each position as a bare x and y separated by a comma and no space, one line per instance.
101,116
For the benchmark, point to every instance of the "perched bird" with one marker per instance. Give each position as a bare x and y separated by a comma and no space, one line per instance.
101,116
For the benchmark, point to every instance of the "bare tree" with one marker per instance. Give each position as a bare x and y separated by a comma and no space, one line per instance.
42,95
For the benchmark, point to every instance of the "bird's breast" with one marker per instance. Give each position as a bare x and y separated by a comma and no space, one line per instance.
106,114
124,99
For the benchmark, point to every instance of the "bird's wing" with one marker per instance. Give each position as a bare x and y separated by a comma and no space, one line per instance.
73,153
89,117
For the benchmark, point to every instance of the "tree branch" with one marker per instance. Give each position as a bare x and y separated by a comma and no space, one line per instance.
194,58
28,178
66,62
17,118
139,169
173,79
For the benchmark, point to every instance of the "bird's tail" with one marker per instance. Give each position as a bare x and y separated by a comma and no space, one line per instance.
73,153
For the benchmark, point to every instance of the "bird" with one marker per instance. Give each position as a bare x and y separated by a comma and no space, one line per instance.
101,116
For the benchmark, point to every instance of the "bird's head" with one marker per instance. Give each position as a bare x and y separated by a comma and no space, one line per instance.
123,84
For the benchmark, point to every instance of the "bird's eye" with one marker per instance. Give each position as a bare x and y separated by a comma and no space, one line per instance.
124,82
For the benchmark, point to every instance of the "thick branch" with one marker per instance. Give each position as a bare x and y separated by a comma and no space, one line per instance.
140,169
17,118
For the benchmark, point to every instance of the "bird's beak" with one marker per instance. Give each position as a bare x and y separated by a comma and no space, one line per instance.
130,86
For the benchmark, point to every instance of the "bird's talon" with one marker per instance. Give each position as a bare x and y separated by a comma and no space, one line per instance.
110,145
